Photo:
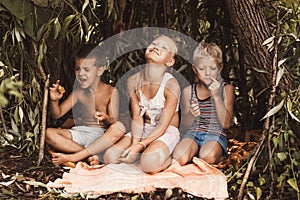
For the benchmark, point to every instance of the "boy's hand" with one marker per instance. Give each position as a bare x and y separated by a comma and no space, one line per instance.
214,87
56,91
194,109
101,116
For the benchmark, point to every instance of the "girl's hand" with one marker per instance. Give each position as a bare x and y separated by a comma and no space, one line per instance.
56,91
194,108
101,116
214,87
131,153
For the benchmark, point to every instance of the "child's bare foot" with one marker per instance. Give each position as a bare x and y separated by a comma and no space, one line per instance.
94,160
60,158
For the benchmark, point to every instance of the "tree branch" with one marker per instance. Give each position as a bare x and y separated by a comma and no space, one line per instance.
43,125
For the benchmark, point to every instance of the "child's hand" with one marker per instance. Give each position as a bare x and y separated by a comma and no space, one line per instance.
56,91
130,154
194,109
101,116
214,87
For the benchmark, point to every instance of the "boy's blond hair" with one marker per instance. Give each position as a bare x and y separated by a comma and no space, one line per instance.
208,50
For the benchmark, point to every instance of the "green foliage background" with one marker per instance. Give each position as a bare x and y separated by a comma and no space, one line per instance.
38,37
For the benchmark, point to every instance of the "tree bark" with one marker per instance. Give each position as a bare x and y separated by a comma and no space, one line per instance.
252,30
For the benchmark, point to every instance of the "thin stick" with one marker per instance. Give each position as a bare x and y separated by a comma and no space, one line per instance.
2,119
43,125
267,125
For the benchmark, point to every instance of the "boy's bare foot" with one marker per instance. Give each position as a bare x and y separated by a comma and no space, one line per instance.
60,158
94,160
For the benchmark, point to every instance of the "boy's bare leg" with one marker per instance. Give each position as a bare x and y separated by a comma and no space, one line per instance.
110,137
61,140
113,154
94,160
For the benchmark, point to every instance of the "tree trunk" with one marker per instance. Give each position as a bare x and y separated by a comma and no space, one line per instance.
252,30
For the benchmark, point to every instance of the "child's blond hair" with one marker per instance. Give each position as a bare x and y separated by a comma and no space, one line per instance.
208,50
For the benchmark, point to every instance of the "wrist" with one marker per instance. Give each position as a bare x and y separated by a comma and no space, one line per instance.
54,101
142,144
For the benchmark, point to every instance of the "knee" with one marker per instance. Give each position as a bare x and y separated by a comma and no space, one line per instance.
211,158
182,159
118,127
49,134
152,162
110,157
116,130
180,156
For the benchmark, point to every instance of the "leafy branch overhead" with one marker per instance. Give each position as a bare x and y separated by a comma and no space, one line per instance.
261,50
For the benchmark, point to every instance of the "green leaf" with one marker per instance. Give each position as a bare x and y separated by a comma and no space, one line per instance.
281,62
281,156
269,40
274,110
14,126
258,193
57,28
260,70
7,192
15,7
7,183
35,183
3,100
279,75
21,114
289,107
293,183
275,141
251,196
41,3
66,24
86,3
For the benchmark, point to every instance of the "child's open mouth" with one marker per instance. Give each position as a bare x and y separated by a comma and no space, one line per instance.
82,81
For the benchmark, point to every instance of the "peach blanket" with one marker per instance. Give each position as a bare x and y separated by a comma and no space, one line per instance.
199,179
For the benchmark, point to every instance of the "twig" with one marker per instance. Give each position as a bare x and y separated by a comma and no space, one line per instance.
43,125
267,125
2,119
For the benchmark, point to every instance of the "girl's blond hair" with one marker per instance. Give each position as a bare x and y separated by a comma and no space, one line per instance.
208,50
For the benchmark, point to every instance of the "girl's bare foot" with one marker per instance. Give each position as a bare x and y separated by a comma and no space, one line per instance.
94,160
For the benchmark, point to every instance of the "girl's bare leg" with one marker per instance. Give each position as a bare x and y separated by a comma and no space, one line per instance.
155,158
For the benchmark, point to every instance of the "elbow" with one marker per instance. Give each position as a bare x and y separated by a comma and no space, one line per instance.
226,125
55,116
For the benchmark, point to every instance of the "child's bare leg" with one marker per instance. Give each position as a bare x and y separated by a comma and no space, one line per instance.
59,158
113,154
94,160
61,140
156,157
185,150
110,137
211,152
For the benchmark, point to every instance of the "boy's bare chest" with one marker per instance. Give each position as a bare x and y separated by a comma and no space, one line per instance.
95,101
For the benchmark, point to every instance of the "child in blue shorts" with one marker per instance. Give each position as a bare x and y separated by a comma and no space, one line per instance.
207,109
